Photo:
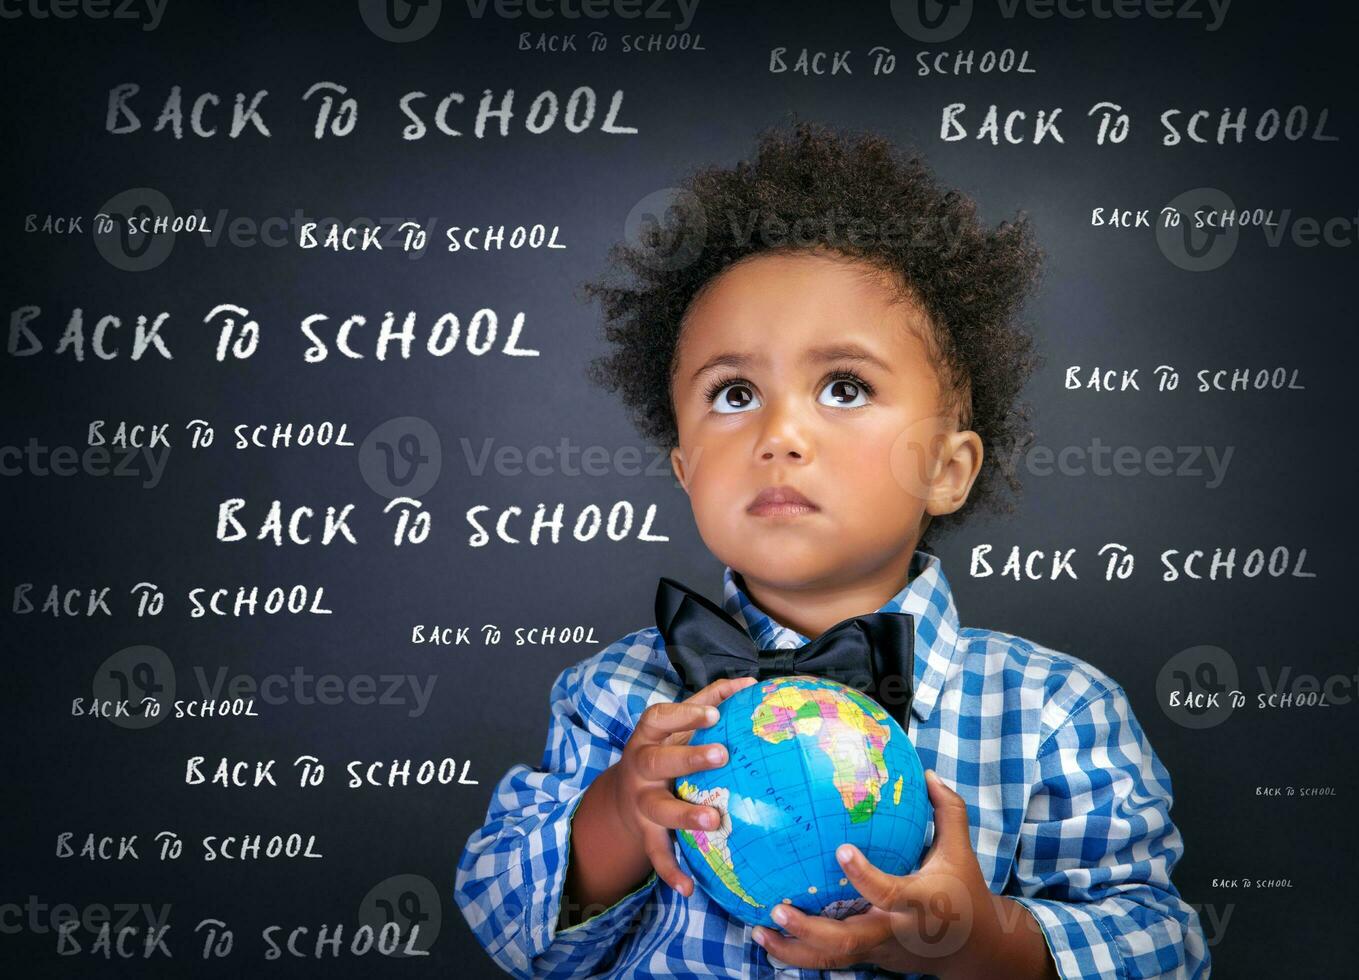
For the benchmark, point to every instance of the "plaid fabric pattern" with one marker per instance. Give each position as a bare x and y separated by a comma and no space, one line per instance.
1068,805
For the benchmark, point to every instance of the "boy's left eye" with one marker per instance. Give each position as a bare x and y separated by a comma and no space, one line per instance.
844,393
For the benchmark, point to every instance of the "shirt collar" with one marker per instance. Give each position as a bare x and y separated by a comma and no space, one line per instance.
927,597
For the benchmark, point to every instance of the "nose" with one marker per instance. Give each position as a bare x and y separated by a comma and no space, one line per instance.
785,435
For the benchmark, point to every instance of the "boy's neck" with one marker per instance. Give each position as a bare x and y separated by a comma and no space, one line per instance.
812,611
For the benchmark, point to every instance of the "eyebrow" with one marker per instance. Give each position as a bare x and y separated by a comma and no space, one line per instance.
817,355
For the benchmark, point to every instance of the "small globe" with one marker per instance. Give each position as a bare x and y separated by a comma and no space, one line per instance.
812,764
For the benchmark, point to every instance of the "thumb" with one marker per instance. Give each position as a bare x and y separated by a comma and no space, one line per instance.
950,816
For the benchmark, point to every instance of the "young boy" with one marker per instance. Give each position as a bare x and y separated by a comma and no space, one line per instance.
829,396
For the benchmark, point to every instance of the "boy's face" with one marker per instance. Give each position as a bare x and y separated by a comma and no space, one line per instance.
808,371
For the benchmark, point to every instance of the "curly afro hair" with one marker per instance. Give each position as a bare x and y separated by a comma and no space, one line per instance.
810,188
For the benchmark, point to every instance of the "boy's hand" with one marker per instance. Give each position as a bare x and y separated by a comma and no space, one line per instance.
658,753
941,920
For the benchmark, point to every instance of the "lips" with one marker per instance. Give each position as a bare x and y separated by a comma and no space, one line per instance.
779,502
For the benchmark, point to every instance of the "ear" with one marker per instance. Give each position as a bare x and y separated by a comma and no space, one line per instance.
960,460
677,464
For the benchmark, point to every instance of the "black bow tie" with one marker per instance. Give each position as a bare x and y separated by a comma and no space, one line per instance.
873,653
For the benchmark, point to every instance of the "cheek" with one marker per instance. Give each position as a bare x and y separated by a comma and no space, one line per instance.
886,465
718,480
908,452
863,468
714,472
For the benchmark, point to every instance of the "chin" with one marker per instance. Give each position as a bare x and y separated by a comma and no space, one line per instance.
786,567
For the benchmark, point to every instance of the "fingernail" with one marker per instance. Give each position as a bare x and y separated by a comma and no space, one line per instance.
715,754
757,934
709,820
710,714
844,854
779,915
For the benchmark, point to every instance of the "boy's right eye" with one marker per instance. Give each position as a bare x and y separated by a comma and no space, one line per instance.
735,397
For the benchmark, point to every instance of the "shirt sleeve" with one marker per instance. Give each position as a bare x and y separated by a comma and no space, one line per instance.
512,873
1097,848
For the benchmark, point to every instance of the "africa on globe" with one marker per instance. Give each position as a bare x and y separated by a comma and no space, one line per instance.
812,764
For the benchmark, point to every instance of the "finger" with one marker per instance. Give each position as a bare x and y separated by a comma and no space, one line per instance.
795,952
711,695
663,762
719,690
950,816
851,938
667,717
662,858
886,891
661,807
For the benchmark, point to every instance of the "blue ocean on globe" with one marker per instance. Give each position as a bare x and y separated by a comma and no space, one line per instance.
812,764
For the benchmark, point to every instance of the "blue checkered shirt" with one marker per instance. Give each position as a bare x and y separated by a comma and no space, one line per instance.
1068,806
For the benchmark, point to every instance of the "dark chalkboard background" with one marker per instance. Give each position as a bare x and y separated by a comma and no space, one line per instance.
1112,298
